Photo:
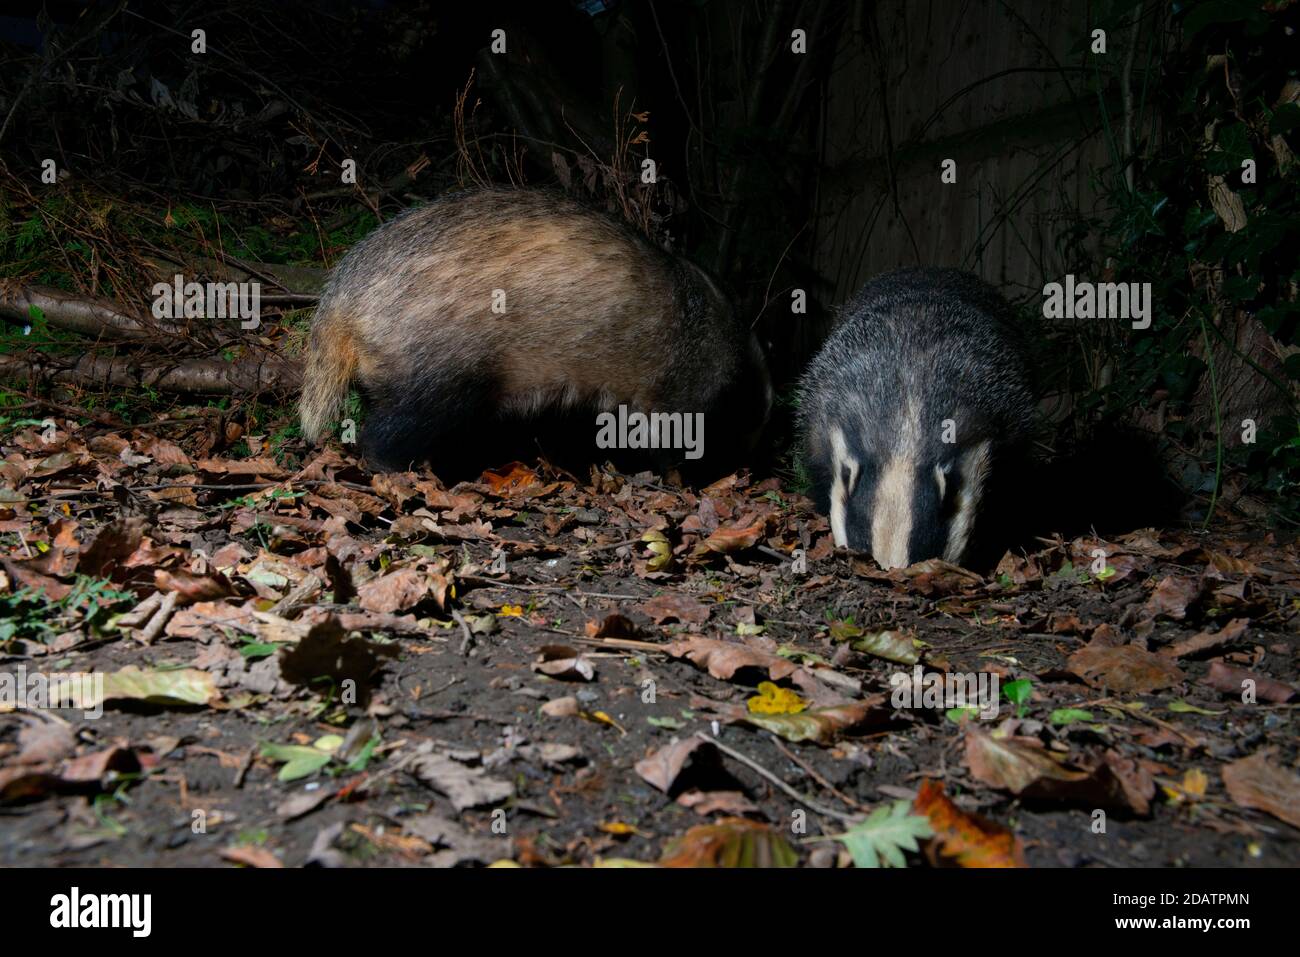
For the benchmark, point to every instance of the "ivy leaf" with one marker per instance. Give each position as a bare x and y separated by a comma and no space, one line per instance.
886,833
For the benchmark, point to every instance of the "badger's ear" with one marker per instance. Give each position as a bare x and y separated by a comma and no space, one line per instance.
845,467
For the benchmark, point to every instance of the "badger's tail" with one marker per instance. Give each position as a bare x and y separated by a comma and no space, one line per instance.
331,360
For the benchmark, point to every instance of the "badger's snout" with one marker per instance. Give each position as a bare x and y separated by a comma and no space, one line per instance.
907,510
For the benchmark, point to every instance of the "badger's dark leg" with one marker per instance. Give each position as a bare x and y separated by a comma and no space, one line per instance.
408,423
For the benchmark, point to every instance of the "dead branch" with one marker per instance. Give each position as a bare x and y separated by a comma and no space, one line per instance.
251,374
90,316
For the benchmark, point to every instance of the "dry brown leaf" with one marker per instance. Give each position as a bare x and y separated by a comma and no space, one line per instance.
731,842
1233,681
723,659
1124,669
672,606
662,768
191,588
1229,633
401,590
250,855
1256,783
704,803
1172,596
1013,763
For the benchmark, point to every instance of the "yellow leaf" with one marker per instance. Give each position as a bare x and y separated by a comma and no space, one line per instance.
621,829
601,717
512,611
773,699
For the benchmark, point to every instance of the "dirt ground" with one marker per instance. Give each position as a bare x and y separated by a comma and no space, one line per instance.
320,666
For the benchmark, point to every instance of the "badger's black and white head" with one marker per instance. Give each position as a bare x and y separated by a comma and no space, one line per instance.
911,496
914,415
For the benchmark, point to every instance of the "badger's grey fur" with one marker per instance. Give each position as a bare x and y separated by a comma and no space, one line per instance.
913,417
594,317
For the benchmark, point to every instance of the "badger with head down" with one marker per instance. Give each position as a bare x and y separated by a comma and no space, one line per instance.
470,320
916,418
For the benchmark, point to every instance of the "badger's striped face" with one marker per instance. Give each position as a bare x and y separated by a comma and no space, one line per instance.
916,502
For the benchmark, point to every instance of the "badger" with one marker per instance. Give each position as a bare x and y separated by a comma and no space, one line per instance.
498,306
915,420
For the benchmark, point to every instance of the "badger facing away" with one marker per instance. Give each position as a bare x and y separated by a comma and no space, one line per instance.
915,418
491,307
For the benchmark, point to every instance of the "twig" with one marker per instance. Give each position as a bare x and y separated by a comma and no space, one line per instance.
160,618
467,636
812,773
755,766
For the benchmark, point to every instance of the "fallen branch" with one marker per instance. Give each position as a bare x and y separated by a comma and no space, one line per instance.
252,374
92,317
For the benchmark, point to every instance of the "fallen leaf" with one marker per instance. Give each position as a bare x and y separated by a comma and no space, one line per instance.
193,588
894,646
109,546
774,700
1203,641
883,836
731,842
723,659
1256,783
250,855
1235,681
662,768
967,839
1011,764
727,540
672,606
401,590
1172,596
1124,669
561,661
464,786
733,803
821,724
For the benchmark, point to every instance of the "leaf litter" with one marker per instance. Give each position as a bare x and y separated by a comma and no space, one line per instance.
533,668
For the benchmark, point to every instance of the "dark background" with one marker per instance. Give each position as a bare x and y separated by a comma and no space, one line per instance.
777,171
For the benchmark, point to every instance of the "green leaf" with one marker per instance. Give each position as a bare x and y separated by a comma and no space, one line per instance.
300,759
1182,707
1069,716
887,832
958,715
1018,693
258,649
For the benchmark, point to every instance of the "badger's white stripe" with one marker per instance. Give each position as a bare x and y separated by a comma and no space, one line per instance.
974,469
941,479
891,512
840,490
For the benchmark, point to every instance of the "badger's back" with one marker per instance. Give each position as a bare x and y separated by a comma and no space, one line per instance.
579,299
517,302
